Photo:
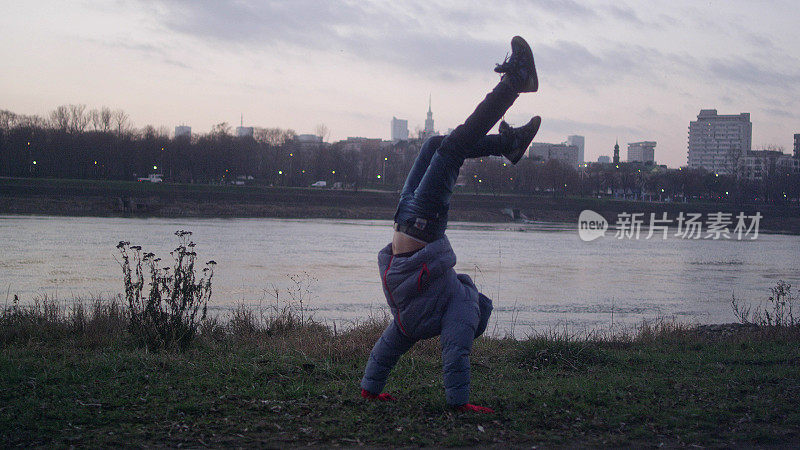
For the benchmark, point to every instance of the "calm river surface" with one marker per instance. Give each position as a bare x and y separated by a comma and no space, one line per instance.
541,277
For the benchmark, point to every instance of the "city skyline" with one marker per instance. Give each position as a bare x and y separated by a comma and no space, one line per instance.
607,70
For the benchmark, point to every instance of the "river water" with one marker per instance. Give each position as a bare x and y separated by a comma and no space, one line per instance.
541,277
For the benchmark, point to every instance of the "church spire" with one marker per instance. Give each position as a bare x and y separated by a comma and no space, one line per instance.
616,152
429,131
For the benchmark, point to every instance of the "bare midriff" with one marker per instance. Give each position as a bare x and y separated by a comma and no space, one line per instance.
403,243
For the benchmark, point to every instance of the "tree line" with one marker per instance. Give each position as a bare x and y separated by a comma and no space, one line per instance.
636,181
76,142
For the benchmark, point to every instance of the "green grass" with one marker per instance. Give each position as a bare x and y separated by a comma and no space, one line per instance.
256,381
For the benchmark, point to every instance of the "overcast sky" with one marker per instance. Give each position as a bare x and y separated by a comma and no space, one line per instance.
633,71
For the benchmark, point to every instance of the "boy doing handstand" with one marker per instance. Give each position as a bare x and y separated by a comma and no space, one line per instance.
426,296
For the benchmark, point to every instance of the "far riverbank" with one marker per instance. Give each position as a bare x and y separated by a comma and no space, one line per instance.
167,200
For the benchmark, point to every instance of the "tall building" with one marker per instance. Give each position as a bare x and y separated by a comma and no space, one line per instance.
642,152
616,152
428,131
758,165
567,154
797,145
399,129
243,131
308,141
716,142
578,141
183,130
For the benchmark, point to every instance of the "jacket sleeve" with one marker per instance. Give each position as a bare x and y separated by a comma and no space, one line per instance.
384,355
458,330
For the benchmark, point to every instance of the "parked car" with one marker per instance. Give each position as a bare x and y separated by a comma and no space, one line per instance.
152,178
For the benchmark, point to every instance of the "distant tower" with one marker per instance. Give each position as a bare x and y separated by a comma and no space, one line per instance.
183,130
644,152
578,141
717,141
616,152
428,131
243,131
797,145
399,129
429,120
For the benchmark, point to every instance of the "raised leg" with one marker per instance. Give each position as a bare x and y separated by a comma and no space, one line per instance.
426,209
489,145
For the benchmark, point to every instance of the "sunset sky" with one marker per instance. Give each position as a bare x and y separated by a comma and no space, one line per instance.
608,70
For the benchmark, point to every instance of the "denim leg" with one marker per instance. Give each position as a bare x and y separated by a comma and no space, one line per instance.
431,199
489,145
417,171
486,114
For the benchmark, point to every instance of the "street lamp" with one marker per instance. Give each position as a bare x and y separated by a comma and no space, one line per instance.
291,168
30,158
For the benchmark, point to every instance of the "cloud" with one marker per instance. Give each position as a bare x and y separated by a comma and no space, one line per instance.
747,73
779,112
759,40
149,51
569,126
625,13
420,36
380,32
571,63
565,8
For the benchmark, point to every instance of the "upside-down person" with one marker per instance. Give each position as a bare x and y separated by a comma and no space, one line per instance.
426,296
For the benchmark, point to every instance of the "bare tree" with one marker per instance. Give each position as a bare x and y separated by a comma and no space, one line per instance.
101,119
94,116
7,120
59,118
78,119
322,131
273,136
221,129
105,119
148,132
773,148
120,121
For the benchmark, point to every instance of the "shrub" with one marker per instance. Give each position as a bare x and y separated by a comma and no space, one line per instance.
169,315
86,323
778,311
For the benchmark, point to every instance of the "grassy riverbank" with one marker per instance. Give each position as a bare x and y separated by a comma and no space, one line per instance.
75,377
121,198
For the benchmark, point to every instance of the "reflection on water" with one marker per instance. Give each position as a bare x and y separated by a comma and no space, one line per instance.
539,275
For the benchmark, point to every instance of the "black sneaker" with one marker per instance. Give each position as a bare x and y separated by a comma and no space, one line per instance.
517,140
520,67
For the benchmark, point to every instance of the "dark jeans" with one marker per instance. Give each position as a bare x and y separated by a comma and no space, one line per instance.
425,200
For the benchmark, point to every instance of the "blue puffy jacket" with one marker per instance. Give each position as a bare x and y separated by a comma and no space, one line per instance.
427,298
